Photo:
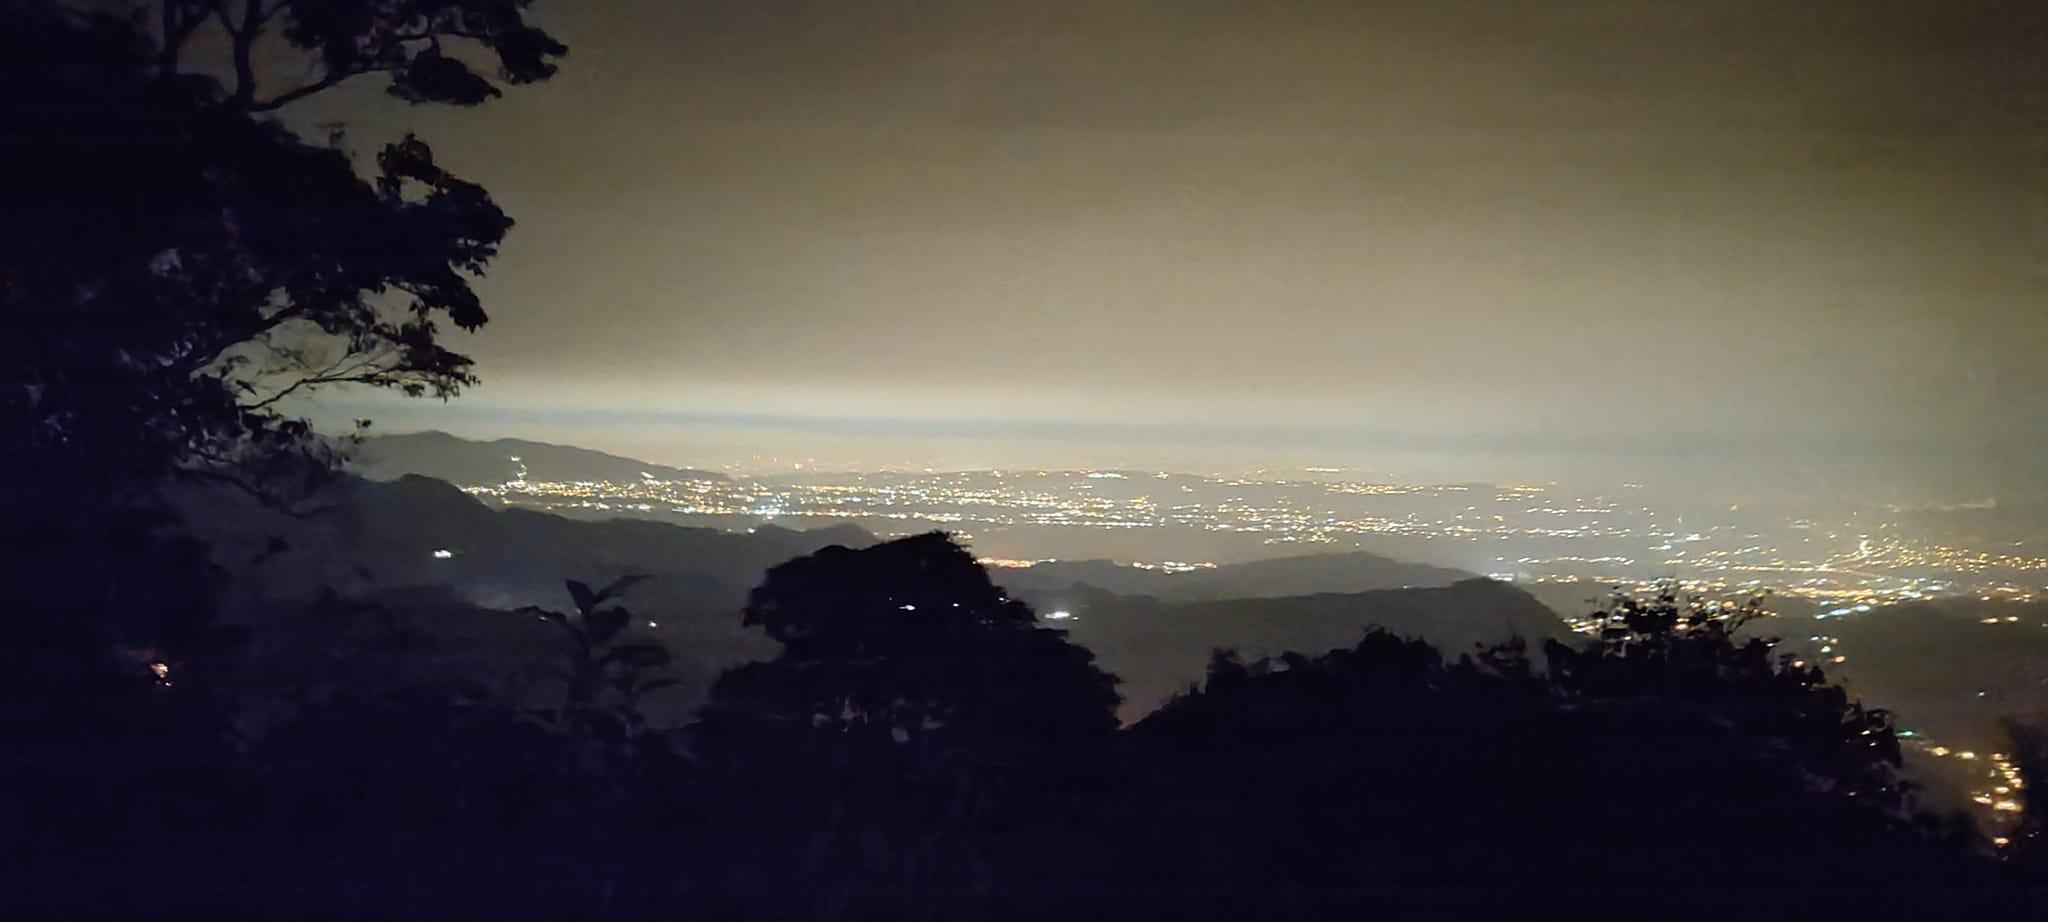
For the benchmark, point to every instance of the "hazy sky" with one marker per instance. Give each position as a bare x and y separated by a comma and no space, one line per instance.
1544,238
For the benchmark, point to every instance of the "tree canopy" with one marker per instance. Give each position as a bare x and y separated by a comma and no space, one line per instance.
1666,770
915,718
907,649
178,262
177,265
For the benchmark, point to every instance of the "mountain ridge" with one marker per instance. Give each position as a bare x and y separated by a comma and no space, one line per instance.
1157,648
467,462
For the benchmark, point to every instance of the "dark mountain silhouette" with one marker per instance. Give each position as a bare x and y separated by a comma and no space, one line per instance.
1280,576
420,579
417,531
1157,648
462,461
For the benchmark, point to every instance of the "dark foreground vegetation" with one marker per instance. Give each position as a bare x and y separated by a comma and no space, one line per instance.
923,748
178,266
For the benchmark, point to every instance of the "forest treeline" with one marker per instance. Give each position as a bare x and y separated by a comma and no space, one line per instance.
923,747
179,267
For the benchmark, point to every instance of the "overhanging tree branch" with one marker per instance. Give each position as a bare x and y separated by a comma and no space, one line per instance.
330,80
252,264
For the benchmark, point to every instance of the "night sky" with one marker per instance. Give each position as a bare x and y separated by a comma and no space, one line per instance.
1794,243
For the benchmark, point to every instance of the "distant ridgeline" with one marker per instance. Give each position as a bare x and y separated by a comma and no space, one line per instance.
466,463
1159,648
415,580
452,568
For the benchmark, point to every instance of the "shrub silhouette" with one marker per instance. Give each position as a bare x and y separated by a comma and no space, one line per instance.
607,669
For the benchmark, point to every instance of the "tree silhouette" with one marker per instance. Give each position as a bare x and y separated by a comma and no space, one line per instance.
908,645
915,712
606,668
1663,770
1685,653
177,263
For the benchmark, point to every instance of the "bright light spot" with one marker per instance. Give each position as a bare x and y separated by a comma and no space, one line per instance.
1061,615
443,554
160,669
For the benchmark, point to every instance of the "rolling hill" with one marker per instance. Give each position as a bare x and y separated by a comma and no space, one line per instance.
419,560
1157,647
462,461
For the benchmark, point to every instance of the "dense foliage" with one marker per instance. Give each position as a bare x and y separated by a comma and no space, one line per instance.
916,717
176,264
176,261
923,748
1665,771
